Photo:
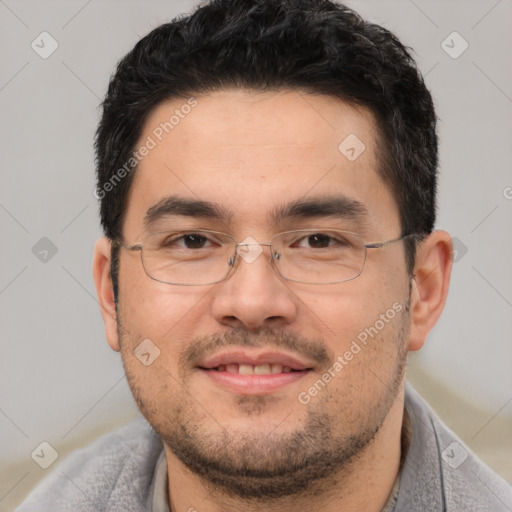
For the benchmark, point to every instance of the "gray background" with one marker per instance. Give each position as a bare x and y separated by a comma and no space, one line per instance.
59,381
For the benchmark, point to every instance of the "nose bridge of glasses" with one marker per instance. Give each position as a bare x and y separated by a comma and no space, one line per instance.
249,250
243,244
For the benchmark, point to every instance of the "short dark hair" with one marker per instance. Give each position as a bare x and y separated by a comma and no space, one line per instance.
316,46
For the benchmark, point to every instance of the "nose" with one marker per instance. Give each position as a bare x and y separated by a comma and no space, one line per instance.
254,295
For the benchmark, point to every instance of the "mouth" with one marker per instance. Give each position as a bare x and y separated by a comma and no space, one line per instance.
250,369
252,373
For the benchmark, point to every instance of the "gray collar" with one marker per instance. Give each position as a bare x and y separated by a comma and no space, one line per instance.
159,496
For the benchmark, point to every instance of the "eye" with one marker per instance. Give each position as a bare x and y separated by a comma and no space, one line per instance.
188,241
319,241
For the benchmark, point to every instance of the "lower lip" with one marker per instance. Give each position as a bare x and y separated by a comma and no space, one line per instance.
254,384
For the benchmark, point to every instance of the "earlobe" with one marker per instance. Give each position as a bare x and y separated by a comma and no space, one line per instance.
429,286
105,291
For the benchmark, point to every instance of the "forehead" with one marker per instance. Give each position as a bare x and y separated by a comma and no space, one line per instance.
252,152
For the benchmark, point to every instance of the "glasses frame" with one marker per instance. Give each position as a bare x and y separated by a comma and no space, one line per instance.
273,257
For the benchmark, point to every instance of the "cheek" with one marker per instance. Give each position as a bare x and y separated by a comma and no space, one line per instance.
364,327
340,312
151,386
369,352
158,311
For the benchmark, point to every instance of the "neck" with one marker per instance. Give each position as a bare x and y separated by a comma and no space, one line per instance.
365,485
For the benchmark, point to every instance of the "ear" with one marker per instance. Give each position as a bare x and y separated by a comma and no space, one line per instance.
430,285
105,290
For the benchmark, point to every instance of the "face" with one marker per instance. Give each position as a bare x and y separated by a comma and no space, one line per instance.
337,350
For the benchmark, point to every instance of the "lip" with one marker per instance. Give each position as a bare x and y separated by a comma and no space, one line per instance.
254,358
254,384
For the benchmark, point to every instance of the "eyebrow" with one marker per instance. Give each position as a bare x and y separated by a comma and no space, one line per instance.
182,206
341,207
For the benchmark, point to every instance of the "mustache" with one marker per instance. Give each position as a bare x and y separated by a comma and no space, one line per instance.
268,337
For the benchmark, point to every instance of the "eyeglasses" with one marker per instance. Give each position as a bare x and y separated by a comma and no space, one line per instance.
203,257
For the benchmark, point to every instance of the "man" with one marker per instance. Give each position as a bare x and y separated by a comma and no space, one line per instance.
267,177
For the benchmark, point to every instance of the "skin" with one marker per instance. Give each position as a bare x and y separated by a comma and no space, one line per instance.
250,152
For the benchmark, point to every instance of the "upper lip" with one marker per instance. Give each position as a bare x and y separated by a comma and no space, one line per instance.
239,356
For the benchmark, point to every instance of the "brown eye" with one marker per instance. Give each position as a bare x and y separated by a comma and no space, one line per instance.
322,241
186,241
319,240
194,241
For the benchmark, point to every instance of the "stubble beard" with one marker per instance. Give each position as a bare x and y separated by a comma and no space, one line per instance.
261,465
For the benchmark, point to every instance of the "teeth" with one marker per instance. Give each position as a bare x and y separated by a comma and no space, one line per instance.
276,368
262,369
249,369
245,369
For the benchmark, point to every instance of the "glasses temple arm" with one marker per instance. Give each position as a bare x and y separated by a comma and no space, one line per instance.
136,247
377,245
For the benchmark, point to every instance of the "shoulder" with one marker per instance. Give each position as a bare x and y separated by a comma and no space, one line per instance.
113,473
451,476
